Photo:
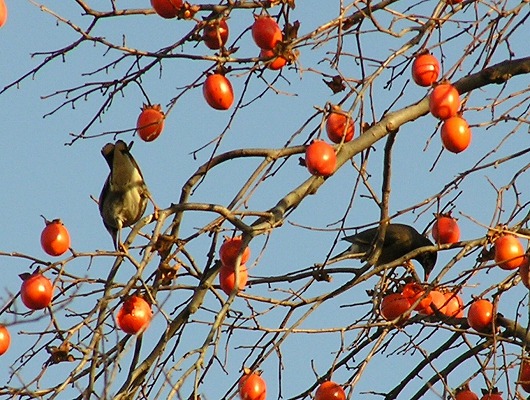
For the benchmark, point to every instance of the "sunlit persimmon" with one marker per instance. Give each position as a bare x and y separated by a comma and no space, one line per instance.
437,302
3,13
134,316
320,158
509,252
480,315
36,291
218,92
276,63
266,32
444,101
150,122
394,305
54,238
215,33
454,305
167,8
339,126
414,291
465,394
425,69
492,394
227,278
230,250
252,386
329,390
5,339
445,230
456,134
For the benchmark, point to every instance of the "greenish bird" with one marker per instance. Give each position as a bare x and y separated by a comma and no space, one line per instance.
124,196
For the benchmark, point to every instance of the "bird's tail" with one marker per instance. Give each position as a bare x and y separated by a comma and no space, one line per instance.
346,255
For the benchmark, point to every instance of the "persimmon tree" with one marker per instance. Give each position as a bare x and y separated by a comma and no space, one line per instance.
304,317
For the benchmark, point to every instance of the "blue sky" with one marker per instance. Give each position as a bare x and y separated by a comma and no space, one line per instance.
45,174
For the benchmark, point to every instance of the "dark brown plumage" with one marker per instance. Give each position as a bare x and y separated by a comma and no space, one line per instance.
400,239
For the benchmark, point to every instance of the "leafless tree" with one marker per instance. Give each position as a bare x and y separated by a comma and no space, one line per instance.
360,53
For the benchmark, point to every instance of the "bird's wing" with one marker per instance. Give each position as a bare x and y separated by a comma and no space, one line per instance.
402,235
102,195
395,233
398,241
104,206
362,241
364,237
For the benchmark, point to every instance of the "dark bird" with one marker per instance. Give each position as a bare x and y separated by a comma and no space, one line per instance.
124,196
399,240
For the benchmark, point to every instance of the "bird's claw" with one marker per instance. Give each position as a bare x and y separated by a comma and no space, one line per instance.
122,249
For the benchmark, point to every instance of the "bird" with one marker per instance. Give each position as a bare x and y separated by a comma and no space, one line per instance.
400,239
124,195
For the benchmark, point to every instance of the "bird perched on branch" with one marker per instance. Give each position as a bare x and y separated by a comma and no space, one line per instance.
124,196
399,240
